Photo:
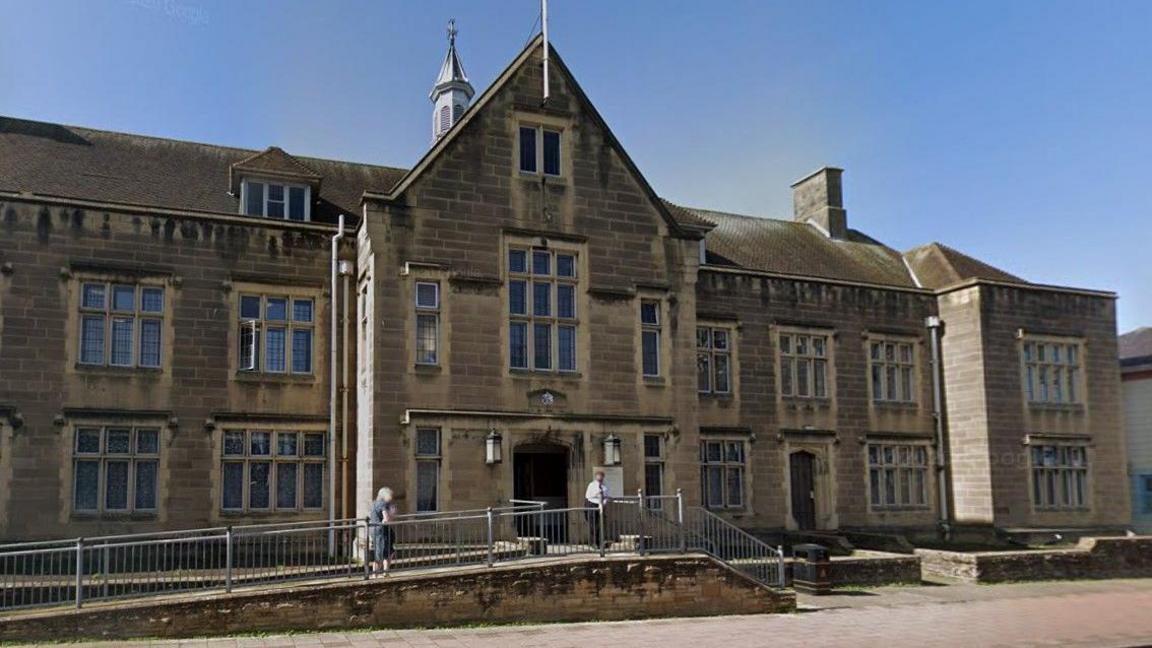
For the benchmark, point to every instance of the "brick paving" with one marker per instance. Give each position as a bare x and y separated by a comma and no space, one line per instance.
1100,613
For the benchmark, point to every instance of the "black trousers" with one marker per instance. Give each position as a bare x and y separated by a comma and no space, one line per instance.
592,514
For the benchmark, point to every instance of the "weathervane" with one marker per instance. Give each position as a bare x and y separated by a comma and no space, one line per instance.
452,31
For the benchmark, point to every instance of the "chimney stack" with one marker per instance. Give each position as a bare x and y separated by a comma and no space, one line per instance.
818,198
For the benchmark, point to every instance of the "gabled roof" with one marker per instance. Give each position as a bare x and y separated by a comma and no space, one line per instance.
104,166
793,248
537,43
937,265
274,162
1135,349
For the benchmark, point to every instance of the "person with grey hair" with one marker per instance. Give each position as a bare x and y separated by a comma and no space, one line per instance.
383,537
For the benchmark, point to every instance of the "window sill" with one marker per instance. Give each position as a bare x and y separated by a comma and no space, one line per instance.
545,373
111,370
807,403
113,516
1056,511
896,406
655,381
537,175
284,378
900,509
717,396
1056,407
421,368
267,513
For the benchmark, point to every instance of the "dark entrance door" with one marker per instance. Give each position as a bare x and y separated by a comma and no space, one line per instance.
801,465
540,473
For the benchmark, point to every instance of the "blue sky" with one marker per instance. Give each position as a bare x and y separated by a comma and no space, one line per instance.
1019,132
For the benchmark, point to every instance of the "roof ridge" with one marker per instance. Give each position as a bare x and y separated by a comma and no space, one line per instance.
735,214
239,149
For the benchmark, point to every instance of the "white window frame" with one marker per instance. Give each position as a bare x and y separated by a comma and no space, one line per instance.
707,353
431,310
273,459
530,319
103,457
1043,358
903,465
540,131
264,205
1063,476
108,313
896,375
790,358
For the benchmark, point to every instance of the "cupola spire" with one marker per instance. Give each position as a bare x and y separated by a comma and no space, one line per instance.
452,92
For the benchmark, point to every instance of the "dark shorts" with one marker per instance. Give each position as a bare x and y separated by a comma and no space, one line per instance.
382,540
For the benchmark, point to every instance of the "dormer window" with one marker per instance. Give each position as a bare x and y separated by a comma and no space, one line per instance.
539,150
276,200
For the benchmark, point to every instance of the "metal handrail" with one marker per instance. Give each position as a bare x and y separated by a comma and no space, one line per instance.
220,558
751,552
202,531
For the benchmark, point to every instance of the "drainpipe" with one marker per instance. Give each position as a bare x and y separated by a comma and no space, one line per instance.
332,392
935,330
345,271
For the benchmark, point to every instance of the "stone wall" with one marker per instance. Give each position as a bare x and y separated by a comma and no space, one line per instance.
871,569
453,224
868,569
202,262
835,429
1091,558
577,590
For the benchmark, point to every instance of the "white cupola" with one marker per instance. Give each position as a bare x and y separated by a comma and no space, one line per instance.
452,92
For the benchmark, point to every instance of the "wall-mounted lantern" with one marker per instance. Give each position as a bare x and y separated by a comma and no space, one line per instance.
492,447
611,450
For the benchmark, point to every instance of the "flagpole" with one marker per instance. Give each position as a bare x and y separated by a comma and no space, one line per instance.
544,22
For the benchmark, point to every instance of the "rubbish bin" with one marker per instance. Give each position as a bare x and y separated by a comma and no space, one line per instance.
811,569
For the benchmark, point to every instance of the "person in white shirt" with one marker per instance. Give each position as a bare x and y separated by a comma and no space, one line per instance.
595,496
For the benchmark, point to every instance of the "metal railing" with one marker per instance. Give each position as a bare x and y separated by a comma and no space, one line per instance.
75,571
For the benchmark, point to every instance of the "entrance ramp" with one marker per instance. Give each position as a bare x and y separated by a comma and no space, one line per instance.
84,571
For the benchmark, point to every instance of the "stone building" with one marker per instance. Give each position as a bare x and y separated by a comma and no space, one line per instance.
167,339
1136,373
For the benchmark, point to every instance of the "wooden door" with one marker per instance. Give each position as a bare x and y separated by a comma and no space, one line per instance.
802,468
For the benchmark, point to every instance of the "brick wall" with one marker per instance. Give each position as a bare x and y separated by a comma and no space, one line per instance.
598,590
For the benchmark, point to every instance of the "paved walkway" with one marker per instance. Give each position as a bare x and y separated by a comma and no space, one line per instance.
1100,613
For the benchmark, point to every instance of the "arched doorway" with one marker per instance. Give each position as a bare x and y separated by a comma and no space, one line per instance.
802,470
540,473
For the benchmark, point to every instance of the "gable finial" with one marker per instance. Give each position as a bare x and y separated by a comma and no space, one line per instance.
452,32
